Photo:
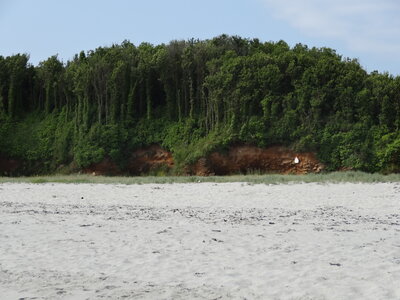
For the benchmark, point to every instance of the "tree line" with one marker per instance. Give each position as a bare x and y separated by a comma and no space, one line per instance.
196,96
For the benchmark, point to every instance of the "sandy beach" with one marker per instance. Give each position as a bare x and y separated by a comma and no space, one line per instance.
200,241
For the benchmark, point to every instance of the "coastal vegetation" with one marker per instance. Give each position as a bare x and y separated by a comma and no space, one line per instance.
194,97
324,178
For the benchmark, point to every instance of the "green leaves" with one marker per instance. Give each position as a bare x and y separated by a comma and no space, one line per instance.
193,97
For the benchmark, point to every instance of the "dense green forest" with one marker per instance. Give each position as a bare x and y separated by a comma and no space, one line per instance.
193,97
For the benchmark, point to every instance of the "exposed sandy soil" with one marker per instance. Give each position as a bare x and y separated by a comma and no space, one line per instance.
242,159
8,166
105,167
238,159
143,161
200,241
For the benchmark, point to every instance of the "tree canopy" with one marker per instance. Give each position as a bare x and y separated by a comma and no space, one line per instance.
195,96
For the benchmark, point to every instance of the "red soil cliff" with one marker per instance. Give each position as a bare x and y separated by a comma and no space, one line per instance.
238,159
149,159
242,159
8,166
141,161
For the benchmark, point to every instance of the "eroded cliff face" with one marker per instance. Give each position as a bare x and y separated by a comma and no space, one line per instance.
105,167
141,162
244,159
239,159
8,167
149,159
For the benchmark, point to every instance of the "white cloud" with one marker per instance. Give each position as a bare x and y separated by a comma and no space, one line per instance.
370,26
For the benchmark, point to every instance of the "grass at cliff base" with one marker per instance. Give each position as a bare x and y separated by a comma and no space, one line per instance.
334,177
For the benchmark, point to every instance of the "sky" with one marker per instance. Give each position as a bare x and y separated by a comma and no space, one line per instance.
368,30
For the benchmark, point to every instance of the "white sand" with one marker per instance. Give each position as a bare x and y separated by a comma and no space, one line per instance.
200,241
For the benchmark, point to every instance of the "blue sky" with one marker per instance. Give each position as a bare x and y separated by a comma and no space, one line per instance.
365,29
